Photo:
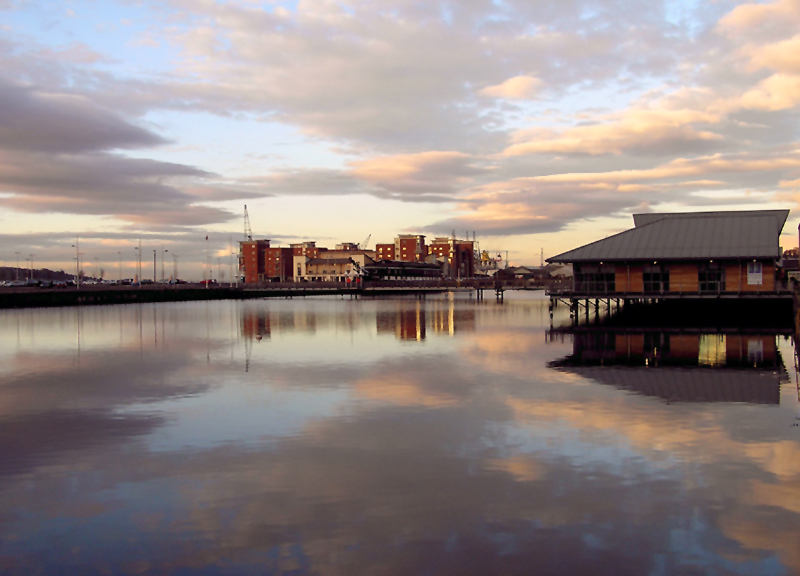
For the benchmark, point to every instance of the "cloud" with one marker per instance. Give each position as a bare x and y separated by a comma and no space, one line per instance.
63,123
778,92
421,173
57,157
691,167
752,17
783,56
435,176
516,88
550,202
634,131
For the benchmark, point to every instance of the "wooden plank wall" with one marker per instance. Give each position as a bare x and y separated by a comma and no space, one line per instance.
637,278
736,278
629,278
683,278
621,278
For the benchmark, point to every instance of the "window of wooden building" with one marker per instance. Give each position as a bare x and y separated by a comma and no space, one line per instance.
711,277
656,278
596,279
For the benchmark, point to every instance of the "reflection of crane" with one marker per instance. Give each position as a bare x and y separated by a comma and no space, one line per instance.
363,245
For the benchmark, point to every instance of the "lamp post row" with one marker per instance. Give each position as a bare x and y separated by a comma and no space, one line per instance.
138,249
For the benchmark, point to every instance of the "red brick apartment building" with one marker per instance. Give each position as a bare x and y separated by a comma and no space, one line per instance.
306,249
252,261
384,252
410,248
278,263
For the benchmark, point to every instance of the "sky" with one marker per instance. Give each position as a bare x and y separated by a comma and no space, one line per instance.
537,126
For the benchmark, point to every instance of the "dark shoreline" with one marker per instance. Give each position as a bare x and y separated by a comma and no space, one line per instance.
107,295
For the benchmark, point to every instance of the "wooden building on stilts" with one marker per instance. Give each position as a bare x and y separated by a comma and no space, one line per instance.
673,256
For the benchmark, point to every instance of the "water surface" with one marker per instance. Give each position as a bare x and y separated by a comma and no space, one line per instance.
398,437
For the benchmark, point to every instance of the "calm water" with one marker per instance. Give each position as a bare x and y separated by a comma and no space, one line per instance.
391,437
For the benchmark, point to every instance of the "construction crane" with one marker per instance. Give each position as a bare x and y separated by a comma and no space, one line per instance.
365,243
248,233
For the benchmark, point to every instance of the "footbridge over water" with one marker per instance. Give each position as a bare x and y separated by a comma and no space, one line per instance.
388,287
86,295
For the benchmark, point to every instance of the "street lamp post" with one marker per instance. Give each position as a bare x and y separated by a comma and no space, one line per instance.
138,263
77,262
17,253
154,266
119,267
163,256
30,259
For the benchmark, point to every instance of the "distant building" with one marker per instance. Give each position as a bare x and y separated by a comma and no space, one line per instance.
305,249
384,252
331,265
278,264
303,261
458,256
410,248
399,270
252,260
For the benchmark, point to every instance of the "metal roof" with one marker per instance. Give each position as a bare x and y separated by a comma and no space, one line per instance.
689,236
645,219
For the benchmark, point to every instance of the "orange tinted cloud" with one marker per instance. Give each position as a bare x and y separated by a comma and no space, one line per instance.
516,88
630,130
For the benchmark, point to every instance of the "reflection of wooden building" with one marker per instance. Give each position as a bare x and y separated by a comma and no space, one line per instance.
679,366
681,385
699,255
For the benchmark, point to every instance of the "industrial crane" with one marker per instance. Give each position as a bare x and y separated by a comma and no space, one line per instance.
248,234
365,243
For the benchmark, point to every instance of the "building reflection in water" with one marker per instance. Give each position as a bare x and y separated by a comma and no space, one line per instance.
405,320
678,366
256,325
406,323
411,323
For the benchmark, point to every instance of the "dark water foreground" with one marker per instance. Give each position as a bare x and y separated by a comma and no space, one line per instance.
397,437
